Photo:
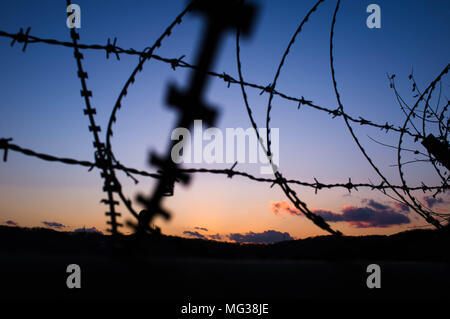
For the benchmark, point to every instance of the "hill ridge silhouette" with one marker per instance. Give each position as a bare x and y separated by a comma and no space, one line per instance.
417,244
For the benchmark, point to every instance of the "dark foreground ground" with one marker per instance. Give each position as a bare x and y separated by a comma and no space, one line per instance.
165,269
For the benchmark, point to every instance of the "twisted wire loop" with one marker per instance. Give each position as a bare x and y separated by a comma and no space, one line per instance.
426,214
432,148
425,120
279,179
405,107
112,161
277,74
414,205
111,184
220,15
437,148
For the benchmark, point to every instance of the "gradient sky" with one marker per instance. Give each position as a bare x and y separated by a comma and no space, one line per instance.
41,108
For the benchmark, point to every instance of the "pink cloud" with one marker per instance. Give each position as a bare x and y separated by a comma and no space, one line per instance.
279,207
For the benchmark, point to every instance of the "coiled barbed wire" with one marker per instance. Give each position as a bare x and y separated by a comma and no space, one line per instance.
426,215
289,192
123,93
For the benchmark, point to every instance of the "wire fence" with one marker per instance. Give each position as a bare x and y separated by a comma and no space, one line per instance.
190,106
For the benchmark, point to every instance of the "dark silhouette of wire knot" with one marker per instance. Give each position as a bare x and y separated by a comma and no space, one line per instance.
230,172
22,38
111,48
269,89
174,63
4,144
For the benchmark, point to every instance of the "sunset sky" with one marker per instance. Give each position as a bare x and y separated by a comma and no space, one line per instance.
41,109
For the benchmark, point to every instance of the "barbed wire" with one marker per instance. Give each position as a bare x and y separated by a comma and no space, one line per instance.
111,184
6,145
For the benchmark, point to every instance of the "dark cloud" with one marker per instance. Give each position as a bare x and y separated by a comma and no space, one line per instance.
201,228
401,207
215,237
329,216
11,223
53,225
193,234
376,205
365,217
431,201
267,237
88,230
374,214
